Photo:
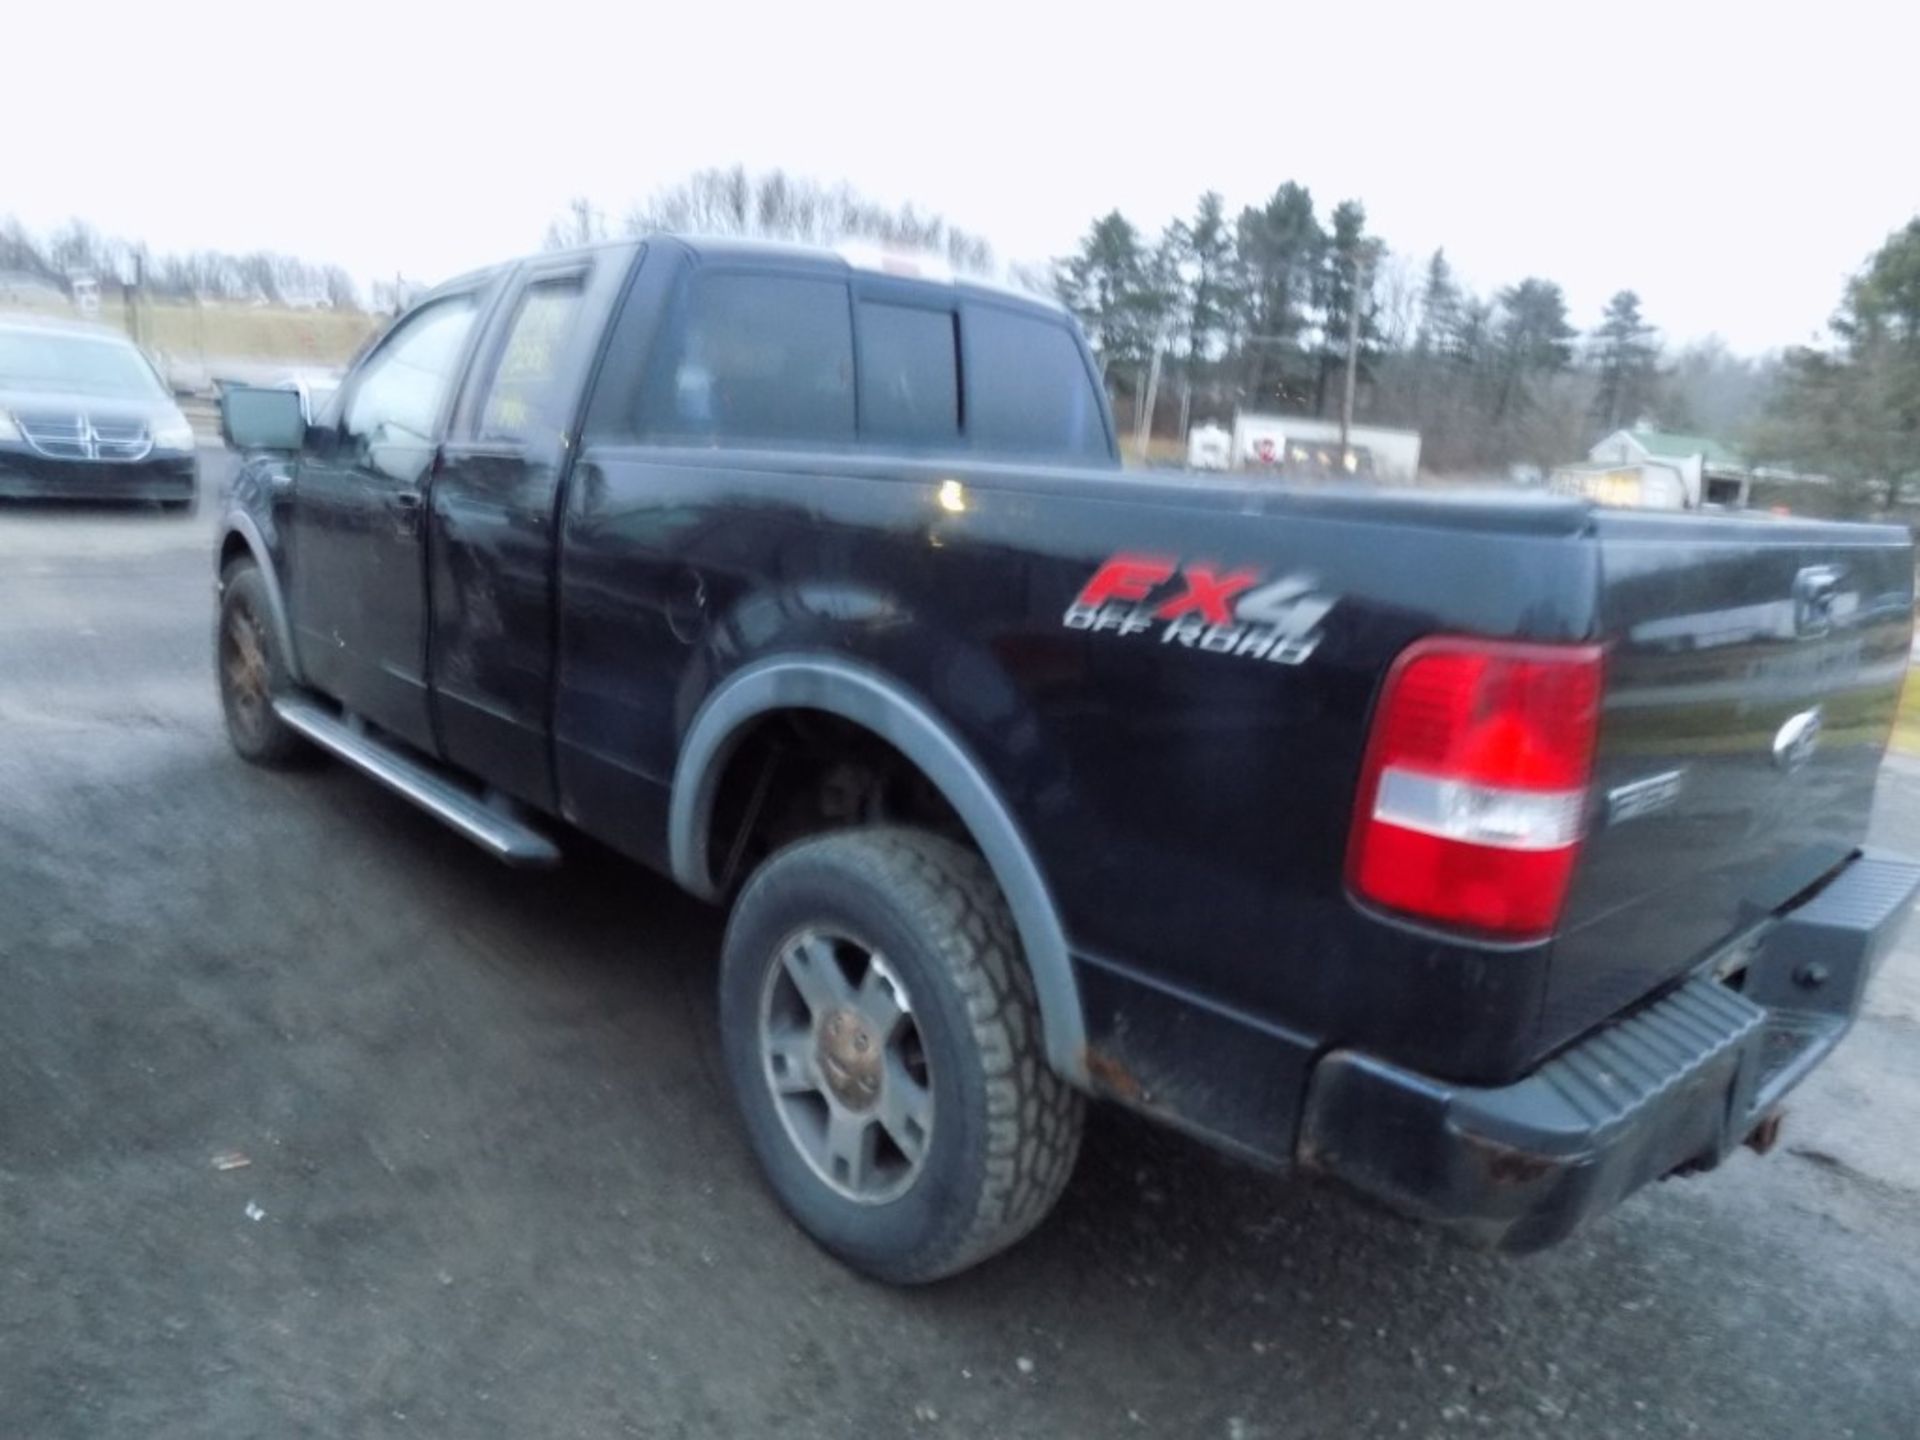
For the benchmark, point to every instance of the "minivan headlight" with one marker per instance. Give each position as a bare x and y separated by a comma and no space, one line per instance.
174,434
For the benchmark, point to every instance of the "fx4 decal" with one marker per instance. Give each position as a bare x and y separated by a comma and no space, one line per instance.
1203,607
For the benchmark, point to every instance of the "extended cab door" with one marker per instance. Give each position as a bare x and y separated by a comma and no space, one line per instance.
690,513
359,594
492,567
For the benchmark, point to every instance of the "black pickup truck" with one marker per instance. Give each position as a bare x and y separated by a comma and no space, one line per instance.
1495,854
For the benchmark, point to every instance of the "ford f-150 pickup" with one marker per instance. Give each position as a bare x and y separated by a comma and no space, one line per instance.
1493,853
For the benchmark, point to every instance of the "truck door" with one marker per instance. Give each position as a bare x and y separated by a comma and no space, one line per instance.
690,514
491,569
357,544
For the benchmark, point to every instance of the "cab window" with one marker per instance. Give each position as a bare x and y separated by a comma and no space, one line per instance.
394,410
520,402
752,358
1029,391
909,374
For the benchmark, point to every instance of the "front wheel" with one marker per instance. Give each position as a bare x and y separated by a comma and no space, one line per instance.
883,1040
251,670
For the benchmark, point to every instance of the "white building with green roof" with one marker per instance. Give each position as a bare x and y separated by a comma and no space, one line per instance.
1708,471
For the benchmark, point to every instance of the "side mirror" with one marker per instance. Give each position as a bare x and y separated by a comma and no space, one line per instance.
253,417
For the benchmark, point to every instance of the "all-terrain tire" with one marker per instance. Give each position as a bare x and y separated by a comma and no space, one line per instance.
1005,1129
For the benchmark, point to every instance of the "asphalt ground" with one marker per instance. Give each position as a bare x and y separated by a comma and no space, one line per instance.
313,1121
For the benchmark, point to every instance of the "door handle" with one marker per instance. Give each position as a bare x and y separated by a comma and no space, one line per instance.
687,607
405,506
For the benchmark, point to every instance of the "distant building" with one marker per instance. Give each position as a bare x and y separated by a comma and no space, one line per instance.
1209,447
85,286
1708,472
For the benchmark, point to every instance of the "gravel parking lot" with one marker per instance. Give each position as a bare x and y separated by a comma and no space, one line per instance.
314,1121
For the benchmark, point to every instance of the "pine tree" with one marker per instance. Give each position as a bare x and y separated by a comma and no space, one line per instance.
1439,309
1209,253
1534,340
1104,284
1279,247
1853,412
1343,280
1625,364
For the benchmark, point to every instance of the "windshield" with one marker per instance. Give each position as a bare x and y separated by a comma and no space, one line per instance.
75,365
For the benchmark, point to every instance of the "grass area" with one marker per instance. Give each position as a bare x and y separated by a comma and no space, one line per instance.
247,332
1161,450
184,331
1906,724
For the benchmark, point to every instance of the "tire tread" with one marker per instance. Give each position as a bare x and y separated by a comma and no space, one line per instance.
1033,1117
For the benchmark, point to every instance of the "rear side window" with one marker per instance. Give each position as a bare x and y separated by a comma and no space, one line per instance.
909,374
1028,390
754,357
520,397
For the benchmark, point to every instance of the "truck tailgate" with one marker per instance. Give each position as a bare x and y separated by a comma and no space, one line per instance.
1753,671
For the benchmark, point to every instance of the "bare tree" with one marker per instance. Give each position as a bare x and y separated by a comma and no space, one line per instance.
77,246
581,225
258,272
19,251
341,294
778,206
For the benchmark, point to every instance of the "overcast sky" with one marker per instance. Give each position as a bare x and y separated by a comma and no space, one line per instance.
1732,167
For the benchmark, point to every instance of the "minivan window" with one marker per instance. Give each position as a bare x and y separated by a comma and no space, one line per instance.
1028,389
909,374
755,357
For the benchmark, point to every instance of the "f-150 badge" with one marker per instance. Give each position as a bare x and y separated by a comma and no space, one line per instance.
1203,607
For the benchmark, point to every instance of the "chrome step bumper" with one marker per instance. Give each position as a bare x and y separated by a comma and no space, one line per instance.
486,823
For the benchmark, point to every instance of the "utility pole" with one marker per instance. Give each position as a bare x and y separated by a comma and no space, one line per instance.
130,297
1361,275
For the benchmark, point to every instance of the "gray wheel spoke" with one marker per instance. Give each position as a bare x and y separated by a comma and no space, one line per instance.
248,644
906,1110
790,1056
849,1145
844,1067
815,974
879,1003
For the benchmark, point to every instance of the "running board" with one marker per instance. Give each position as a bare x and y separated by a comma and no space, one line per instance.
487,826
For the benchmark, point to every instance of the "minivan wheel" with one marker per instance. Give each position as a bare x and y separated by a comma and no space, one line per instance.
884,1044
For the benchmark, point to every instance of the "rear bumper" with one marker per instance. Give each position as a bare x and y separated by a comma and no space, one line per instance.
1675,1084
35,477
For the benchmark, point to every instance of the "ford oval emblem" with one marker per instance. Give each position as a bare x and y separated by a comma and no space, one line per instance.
1795,741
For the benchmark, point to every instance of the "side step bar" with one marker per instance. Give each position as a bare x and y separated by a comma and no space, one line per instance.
489,827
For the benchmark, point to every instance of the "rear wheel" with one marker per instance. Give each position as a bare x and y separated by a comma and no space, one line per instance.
884,1044
251,670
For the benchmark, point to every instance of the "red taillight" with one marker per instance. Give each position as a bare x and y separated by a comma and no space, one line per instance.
1473,797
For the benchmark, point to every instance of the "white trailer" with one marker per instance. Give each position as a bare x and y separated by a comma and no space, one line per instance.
1265,440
